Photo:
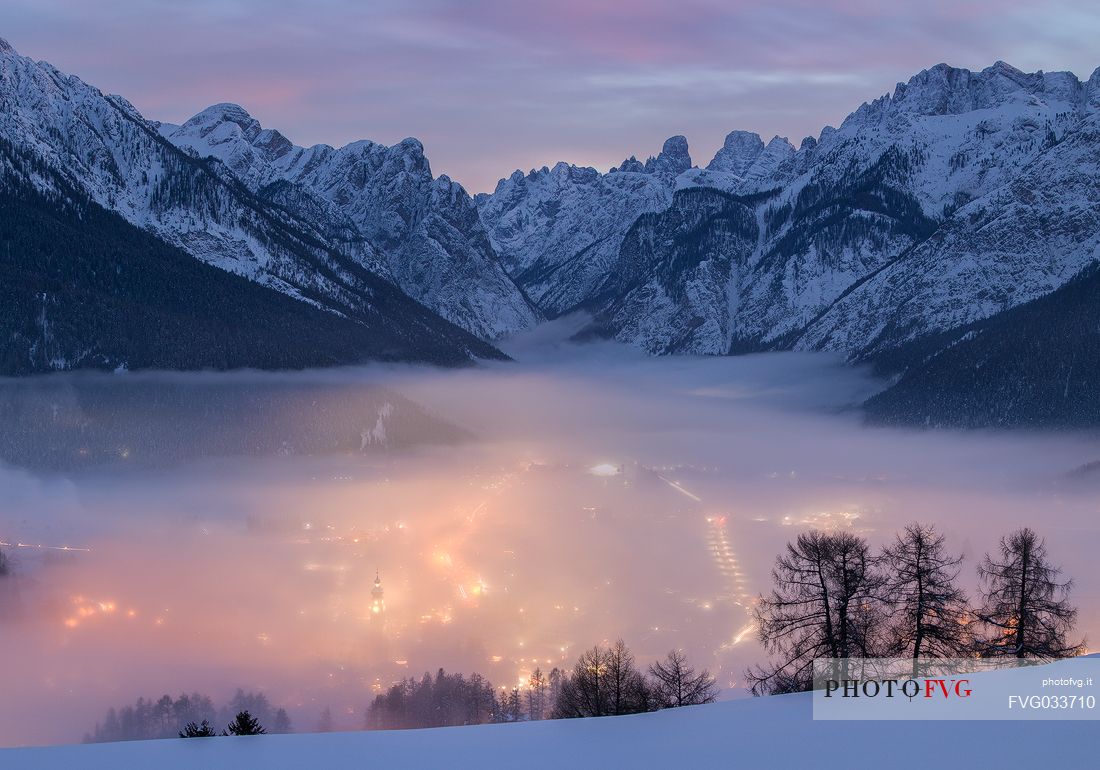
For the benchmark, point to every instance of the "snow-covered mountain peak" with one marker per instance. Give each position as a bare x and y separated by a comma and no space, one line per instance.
426,231
411,147
449,192
5,46
738,152
227,132
1001,68
631,165
673,159
761,172
407,156
947,90
364,205
907,173
226,126
224,112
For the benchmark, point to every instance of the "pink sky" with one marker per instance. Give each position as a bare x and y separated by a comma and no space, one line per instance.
494,85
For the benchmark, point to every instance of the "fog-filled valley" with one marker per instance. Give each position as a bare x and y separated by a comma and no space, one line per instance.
173,533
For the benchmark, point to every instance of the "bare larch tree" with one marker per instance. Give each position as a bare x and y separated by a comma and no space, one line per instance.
825,603
1026,608
604,682
929,611
674,683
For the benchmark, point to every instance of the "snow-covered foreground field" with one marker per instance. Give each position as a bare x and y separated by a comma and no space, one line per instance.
764,732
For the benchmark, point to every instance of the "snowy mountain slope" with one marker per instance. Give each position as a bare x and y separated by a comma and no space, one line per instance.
423,233
1036,365
558,230
795,255
738,154
743,164
776,731
957,148
83,288
83,143
102,146
959,195
1018,242
668,286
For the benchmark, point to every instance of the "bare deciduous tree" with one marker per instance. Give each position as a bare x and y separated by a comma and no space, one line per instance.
1025,607
675,683
604,682
929,610
825,603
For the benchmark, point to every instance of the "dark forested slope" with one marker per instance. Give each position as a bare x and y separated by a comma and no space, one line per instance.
82,288
1036,365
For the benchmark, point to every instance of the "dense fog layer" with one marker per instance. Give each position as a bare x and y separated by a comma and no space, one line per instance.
209,532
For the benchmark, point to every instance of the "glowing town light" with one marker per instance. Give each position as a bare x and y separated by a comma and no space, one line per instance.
605,470
744,632
377,596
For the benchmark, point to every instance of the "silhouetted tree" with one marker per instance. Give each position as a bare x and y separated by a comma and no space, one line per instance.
162,714
281,722
255,703
628,692
603,683
5,564
324,724
825,603
1025,608
536,695
929,611
553,688
244,724
675,683
445,700
512,705
146,719
203,730
479,700
582,692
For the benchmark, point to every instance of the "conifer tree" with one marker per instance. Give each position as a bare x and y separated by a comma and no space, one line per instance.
193,730
282,722
244,724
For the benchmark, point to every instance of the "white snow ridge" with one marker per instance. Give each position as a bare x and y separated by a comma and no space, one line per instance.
776,731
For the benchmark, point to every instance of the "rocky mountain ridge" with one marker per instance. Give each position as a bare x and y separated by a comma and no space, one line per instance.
958,196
